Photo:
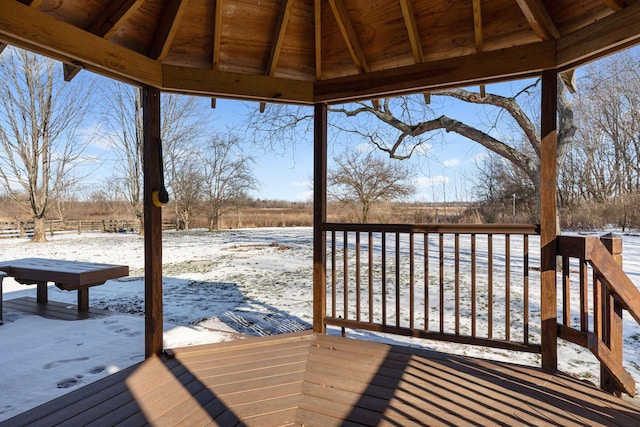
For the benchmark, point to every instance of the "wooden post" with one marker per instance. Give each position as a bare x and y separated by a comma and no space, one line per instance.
152,222
548,220
612,318
319,217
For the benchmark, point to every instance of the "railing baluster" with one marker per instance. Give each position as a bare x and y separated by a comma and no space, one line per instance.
490,285
426,281
384,278
566,292
345,291
397,235
358,276
333,274
457,281
584,299
525,280
507,287
411,280
473,285
441,242
370,278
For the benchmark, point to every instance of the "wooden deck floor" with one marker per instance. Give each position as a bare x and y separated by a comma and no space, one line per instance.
316,380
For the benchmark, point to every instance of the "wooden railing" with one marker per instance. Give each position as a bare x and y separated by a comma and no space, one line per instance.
462,283
593,317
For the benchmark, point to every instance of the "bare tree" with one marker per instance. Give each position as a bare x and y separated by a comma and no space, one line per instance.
362,180
188,186
228,176
179,128
40,117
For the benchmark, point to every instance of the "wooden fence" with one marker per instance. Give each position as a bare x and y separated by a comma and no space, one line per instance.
25,228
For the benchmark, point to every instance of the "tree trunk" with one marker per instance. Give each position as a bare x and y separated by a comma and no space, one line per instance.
39,230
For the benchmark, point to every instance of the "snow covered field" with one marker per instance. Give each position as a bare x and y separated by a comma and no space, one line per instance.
217,287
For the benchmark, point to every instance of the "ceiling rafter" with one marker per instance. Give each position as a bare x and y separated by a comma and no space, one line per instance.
615,5
166,32
477,31
539,19
317,18
414,36
116,14
346,28
278,39
217,34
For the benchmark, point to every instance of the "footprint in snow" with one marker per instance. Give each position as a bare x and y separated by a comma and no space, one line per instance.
110,321
60,362
97,369
68,383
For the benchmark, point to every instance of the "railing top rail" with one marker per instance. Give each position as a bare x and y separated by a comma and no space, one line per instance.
531,229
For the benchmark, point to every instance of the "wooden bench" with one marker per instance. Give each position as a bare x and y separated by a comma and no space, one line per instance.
68,275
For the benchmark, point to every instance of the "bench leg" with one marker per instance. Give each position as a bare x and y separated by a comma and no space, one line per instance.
83,299
43,295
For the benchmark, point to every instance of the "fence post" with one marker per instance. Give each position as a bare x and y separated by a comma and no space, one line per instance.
21,230
611,318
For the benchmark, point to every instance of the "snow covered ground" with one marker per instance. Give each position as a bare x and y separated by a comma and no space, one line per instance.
217,287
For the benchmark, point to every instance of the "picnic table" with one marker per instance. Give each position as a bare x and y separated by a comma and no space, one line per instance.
68,275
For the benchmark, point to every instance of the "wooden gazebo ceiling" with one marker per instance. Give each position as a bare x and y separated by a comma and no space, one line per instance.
308,51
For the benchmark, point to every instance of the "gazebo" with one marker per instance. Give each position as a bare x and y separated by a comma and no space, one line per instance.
323,52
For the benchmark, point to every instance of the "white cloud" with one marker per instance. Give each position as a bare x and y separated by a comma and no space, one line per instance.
306,184
430,181
451,162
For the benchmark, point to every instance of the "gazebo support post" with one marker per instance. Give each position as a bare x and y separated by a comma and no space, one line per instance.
319,216
548,220
152,221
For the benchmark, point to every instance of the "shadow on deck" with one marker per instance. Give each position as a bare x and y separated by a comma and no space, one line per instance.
318,380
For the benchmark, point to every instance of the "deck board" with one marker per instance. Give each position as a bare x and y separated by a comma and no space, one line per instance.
309,379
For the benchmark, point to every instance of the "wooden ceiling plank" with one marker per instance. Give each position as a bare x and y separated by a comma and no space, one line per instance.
236,85
346,28
31,29
317,18
539,19
615,5
116,14
479,68
166,32
613,32
412,30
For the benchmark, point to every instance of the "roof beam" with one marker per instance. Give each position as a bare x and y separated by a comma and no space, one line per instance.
609,34
479,68
346,28
217,34
412,30
317,18
171,17
225,84
278,38
31,29
477,31
539,19
116,14
69,71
